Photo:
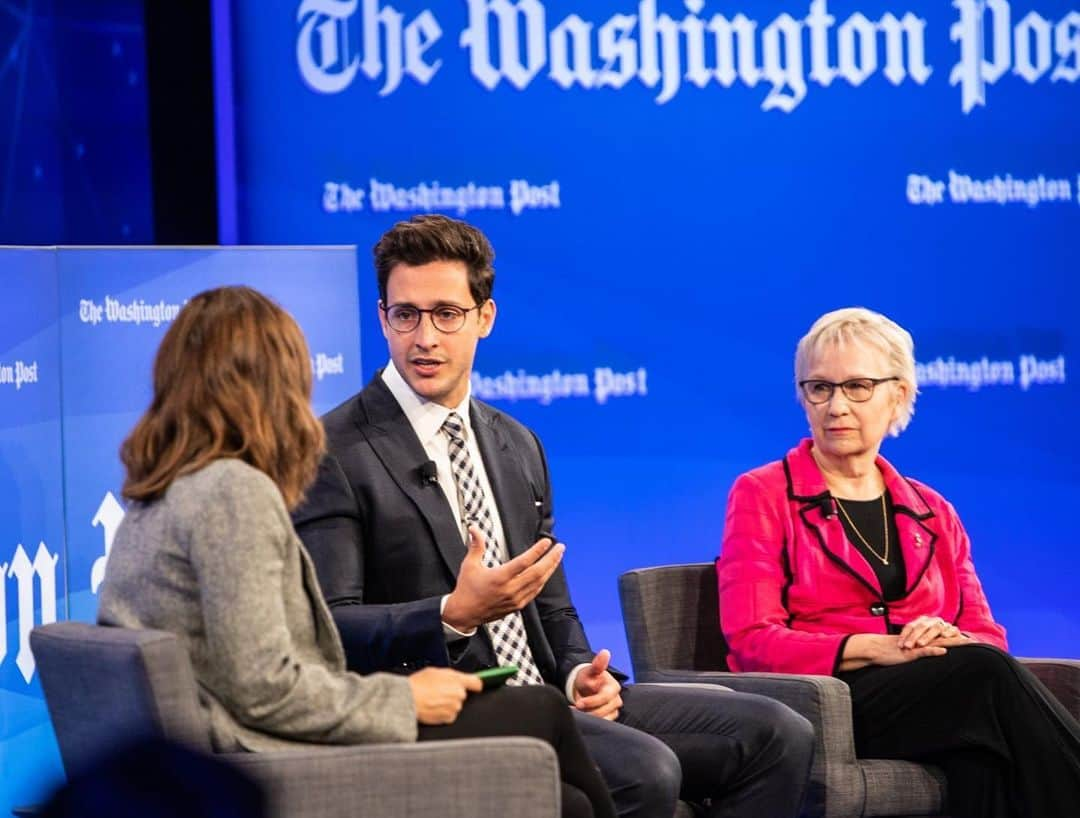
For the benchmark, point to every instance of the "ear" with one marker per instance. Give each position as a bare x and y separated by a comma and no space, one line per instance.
382,319
901,392
487,317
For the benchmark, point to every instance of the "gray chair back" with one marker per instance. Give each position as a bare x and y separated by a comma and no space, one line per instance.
671,620
108,686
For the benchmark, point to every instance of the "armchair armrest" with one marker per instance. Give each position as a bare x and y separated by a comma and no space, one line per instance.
473,778
1062,677
823,700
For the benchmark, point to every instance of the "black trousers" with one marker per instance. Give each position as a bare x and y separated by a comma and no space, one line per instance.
1007,746
543,713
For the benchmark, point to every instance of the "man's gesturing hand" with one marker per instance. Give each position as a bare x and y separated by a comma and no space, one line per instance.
439,693
596,691
486,594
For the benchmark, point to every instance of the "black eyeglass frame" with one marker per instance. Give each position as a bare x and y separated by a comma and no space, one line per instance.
431,316
874,383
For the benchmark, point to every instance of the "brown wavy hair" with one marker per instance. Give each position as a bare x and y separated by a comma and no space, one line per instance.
232,378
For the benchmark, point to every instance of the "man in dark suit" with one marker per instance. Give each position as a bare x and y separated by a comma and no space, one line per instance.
431,528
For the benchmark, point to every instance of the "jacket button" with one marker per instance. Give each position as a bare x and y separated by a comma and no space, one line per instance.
877,609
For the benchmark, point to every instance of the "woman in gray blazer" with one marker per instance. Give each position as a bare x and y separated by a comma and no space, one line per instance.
207,551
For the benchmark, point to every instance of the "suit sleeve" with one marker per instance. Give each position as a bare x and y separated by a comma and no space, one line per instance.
974,618
752,573
559,617
400,637
238,545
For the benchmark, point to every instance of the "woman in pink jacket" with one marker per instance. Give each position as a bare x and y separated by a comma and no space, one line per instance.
834,563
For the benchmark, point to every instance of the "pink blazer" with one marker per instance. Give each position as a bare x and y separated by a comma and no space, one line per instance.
792,588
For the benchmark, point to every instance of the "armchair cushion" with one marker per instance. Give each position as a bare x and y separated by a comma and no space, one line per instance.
461,778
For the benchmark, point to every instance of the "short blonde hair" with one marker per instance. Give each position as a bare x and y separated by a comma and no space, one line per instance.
858,325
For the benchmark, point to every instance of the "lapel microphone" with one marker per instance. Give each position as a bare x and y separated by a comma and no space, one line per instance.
827,508
429,473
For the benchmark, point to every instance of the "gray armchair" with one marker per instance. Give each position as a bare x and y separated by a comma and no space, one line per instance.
104,685
671,614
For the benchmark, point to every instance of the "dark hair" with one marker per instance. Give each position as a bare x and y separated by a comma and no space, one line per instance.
232,378
423,239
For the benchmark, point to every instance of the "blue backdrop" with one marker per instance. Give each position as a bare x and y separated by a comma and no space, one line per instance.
80,329
675,191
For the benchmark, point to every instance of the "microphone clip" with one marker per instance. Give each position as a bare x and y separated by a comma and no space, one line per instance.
828,507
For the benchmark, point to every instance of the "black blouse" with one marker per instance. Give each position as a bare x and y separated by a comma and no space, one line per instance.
870,522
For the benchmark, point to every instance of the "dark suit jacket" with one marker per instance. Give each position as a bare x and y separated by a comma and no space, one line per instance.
387,545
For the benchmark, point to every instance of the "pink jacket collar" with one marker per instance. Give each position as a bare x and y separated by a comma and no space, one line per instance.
914,517
806,483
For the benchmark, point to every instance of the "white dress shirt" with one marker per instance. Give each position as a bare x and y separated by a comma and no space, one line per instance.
426,418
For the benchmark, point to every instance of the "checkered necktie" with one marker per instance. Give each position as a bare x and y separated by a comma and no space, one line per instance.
507,634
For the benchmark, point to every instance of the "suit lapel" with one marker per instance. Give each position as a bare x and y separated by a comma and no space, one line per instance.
394,442
917,541
914,520
513,498
806,486
830,533
915,523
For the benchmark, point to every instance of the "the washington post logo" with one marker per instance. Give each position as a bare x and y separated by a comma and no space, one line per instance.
32,585
669,45
30,580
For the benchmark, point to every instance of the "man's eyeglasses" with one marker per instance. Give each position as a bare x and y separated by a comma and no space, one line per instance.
856,390
445,318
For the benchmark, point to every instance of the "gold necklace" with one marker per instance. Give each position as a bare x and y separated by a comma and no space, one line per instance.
885,518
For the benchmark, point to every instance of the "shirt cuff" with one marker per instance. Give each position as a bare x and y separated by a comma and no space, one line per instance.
571,678
451,633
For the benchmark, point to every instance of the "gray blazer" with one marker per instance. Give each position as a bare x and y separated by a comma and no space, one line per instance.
216,561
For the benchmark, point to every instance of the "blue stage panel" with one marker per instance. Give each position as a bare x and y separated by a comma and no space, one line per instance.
33,584
77,344
115,305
